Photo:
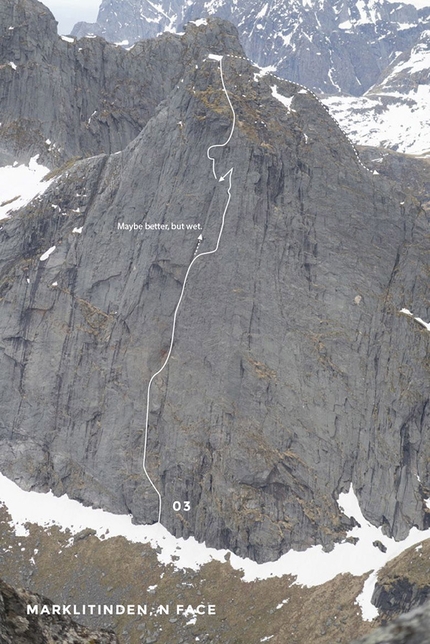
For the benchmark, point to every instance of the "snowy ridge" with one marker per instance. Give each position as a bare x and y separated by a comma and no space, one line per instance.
288,101
311,567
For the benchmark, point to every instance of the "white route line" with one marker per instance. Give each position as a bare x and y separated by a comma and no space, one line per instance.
196,257
222,145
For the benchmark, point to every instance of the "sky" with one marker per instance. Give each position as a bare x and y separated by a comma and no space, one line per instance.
69,12
417,3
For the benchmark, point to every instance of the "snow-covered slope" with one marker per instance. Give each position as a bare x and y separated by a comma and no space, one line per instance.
332,47
365,548
394,113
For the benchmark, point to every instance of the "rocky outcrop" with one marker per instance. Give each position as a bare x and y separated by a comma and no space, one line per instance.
18,627
399,596
293,373
332,47
410,172
403,584
412,628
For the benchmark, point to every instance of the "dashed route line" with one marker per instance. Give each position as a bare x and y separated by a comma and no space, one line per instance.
228,174
336,122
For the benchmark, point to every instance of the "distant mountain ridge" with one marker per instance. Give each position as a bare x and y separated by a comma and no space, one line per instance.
331,47
394,113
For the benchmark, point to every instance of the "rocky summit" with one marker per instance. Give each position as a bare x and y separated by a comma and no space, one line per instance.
369,58
227,205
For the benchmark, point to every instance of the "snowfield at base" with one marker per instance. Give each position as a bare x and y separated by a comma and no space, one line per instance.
21,183
311,567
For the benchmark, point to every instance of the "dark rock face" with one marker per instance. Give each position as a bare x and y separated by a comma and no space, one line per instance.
332,47
412,628
412,173
64,100
399,596
16,627
293,372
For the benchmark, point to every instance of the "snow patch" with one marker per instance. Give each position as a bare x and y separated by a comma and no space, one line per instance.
286,38
369,612
270,69
19,184
418,61
262,12
426,325
332,80
49,252
282,99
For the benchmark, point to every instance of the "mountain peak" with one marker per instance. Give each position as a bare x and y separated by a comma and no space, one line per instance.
329,47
